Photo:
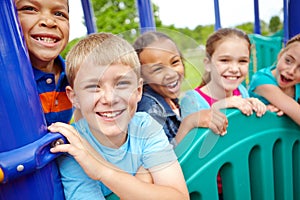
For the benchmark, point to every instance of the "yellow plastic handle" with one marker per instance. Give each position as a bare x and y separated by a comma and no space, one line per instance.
1,175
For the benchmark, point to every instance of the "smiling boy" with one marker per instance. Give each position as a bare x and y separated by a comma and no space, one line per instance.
105,85
45,26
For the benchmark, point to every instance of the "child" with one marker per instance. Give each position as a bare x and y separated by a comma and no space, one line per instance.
45,26
163,72
226,66
278,85
105,84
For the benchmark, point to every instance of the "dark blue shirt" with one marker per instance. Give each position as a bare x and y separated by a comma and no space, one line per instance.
155,105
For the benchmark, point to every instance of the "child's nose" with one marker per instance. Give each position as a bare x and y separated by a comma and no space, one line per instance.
48,21
107,96
170,73
234,67
292,69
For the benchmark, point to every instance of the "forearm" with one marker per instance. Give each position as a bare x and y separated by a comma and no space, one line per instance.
185,127
129,187
221,104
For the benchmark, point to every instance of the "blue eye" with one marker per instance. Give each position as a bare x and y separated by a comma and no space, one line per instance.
288,60
92,87
123,83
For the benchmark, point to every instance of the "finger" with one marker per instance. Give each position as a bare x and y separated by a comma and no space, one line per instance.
246,109
219,123
215,128
61,148
280,113
66,130
261,110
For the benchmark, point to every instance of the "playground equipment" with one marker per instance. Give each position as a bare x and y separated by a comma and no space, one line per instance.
27,170
258,161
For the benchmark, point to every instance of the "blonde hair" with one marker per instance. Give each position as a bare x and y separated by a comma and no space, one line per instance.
288,45
102,49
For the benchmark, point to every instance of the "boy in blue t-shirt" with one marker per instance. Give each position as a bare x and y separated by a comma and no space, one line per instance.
112,142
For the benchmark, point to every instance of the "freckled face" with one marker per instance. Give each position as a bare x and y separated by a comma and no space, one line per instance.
162,68
45,26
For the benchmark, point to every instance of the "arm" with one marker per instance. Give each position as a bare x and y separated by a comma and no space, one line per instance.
208,118
168,179
192,102
168,184
280,100
245,105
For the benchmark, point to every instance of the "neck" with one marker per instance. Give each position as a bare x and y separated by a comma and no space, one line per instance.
49,67
171,103
215,92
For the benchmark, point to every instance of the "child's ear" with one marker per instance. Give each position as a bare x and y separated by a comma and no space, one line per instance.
72,97
140,89
207,64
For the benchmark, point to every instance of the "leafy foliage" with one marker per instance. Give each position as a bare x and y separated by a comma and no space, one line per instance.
121,17
275,24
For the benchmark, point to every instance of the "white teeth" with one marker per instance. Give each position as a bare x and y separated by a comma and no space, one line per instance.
46,39
110,114
172,84
231,77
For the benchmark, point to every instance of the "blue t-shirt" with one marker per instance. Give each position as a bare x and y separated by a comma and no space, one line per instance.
146,145
263,77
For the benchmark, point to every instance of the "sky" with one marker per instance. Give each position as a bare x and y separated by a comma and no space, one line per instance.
191,13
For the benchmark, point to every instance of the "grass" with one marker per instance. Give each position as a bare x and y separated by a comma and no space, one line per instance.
193,68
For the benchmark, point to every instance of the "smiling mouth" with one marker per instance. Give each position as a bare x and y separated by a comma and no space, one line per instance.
284,79
173,84
110,114
232,77
46,39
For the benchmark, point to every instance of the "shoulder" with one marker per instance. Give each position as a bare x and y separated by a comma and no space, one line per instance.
61,62
150,104
297,92
243,91
192,102
263,76
143,120
190,96
146,102
83,129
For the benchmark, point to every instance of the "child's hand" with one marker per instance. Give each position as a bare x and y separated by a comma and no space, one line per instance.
235,102
273,108
213,119
259,107
79,148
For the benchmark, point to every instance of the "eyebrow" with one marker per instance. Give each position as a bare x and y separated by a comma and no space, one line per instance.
115,78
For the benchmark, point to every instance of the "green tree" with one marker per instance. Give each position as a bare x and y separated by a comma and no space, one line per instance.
119,17
275,24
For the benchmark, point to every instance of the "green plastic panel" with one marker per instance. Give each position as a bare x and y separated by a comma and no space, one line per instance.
258,158
264,52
